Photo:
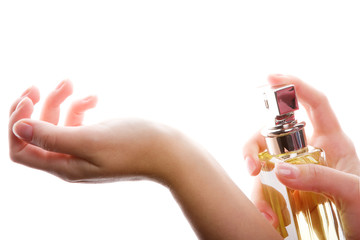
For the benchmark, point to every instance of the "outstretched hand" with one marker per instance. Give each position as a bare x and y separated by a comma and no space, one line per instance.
103,152
128,149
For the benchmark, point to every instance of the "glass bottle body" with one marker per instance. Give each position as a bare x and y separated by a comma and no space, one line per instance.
301,215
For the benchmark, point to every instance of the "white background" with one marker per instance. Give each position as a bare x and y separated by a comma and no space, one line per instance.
194,65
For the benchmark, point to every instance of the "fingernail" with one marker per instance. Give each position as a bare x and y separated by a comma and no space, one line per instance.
287,170
21,103
251,166
27,91
61,84
267,216
23,131
87,99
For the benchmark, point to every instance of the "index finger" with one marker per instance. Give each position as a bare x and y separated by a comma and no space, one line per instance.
51,110
32,93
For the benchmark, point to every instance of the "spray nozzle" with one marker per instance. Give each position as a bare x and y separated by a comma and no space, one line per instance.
281,101
287,135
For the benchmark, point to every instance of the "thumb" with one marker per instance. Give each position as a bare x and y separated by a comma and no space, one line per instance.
318,178
69,140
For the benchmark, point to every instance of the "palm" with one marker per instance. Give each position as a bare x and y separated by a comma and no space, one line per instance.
40,158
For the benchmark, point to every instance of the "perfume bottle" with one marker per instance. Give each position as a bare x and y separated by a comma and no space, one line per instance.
301,215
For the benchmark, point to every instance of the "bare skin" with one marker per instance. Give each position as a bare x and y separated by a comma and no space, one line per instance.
340,180
126,149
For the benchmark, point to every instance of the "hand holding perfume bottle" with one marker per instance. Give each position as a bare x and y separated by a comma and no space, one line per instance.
339,181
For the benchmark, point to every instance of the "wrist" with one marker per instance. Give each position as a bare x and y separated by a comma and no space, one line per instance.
174,156
207,196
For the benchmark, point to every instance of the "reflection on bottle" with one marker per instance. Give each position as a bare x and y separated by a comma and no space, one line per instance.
274,198
313,214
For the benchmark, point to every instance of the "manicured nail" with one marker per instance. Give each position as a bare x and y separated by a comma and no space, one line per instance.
287,170
61,84
21,103
23,131
88,99
251,165
27,91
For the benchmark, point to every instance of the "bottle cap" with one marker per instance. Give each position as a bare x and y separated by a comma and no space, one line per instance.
285,134
281,100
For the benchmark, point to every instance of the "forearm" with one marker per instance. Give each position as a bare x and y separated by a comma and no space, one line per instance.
213,204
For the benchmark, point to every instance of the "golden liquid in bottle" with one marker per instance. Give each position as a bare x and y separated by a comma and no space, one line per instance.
301,215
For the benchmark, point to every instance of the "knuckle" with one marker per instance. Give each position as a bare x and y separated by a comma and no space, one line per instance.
14,156
17,156
315,175
314,170
322,99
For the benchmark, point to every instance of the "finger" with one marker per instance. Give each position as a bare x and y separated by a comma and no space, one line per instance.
67,167
32,93
73,141
251,149
51,110
318,178
77,110
257,197
24,109
315,102
63,165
